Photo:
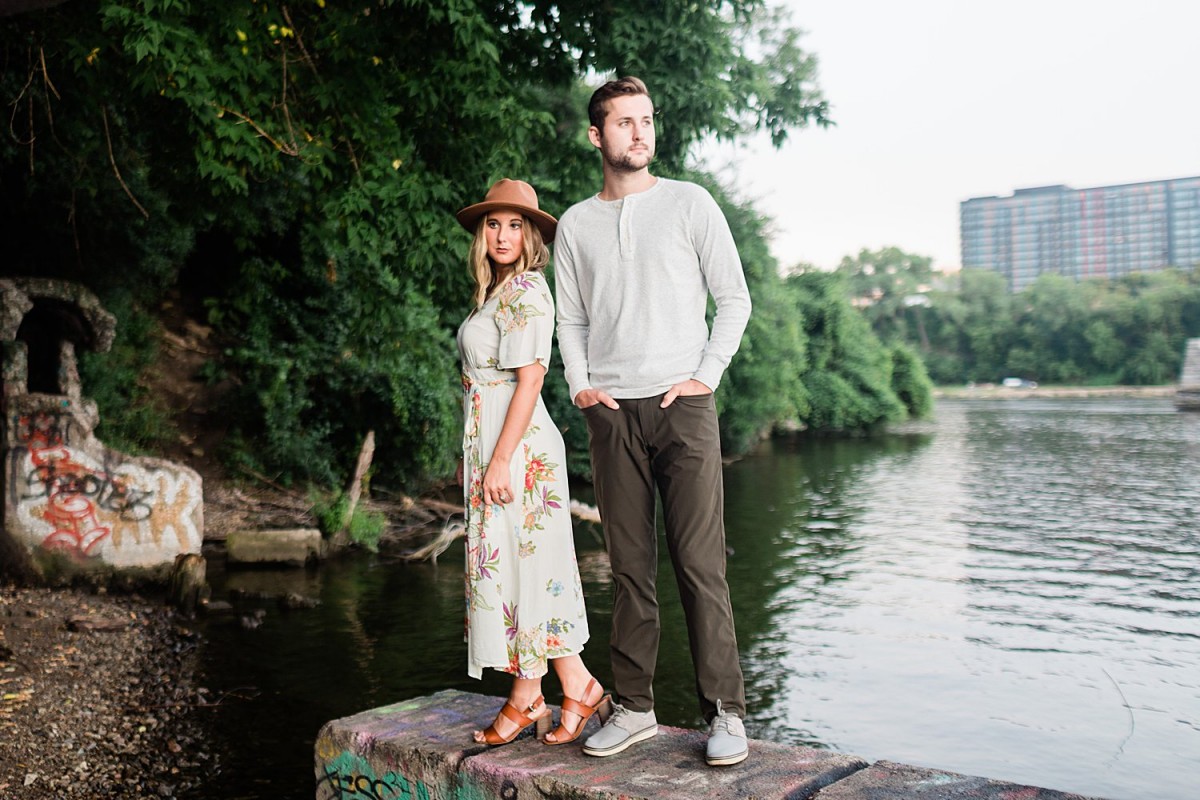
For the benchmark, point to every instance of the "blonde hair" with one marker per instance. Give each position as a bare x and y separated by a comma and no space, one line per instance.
534,256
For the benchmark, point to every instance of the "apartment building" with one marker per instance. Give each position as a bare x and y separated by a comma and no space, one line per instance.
1100,232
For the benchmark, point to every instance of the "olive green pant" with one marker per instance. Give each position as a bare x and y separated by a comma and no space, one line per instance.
636,450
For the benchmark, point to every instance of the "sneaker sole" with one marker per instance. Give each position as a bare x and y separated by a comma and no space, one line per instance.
726,761
633,738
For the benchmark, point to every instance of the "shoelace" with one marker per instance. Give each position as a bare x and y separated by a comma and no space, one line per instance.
618,712
722,721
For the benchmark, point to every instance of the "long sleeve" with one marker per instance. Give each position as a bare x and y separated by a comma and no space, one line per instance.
633,278
722,268
573,322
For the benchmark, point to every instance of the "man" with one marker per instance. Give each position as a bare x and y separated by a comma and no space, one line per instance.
634,266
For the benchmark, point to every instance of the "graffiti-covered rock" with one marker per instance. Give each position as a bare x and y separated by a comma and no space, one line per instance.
71,504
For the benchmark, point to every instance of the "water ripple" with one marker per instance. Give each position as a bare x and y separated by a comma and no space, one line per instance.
1013,588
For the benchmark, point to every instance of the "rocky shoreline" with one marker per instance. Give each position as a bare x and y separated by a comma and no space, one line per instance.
100,691
98,698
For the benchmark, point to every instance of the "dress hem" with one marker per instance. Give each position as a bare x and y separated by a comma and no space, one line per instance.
473,668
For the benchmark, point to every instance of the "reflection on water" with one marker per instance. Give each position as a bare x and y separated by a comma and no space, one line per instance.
1011,589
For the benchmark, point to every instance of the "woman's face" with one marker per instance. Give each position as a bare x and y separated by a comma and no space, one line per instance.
505,237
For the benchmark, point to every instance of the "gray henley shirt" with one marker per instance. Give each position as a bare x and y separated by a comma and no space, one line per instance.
632,279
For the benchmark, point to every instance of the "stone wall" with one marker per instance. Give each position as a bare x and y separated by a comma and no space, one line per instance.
66,493
71,504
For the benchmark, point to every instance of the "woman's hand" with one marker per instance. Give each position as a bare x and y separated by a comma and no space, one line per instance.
458,473
497,485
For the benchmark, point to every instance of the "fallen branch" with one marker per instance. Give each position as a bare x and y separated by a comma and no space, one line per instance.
453,530
258,475
342,537
442,506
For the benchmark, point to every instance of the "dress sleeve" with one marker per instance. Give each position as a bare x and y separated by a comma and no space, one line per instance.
525,317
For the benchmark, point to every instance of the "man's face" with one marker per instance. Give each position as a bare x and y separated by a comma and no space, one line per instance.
627,140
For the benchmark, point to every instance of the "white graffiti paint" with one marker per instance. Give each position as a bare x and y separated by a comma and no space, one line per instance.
68,493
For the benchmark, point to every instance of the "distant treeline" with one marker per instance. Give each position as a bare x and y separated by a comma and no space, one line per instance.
968,327
288,174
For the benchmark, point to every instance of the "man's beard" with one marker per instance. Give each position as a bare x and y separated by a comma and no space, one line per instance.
625,161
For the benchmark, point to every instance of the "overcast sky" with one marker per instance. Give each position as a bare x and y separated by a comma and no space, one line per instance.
937,101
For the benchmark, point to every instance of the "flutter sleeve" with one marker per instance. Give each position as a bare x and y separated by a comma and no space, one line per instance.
525,317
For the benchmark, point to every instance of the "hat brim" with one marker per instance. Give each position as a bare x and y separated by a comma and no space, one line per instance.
469,217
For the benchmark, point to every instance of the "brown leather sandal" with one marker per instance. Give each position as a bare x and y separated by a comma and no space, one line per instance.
603,707
521,720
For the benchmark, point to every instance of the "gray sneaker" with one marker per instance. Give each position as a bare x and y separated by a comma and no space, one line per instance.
623,728
726,740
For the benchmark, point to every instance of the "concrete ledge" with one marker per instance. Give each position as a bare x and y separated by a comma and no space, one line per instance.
885,780
422,749
411,749
296,546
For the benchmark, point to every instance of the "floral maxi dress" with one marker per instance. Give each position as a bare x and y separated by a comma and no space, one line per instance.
524,598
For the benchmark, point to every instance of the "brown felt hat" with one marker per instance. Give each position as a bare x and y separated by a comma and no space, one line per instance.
510,194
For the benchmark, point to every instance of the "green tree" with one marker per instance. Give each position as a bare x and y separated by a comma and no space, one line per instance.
988,327
763,386
890,286
848,374
1153,315
910,381
1129,330
293,170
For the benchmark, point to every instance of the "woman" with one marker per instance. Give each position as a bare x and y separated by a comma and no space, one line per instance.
524,598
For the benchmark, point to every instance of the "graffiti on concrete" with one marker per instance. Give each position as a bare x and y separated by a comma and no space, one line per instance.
65,492
351,777
55,474
72,504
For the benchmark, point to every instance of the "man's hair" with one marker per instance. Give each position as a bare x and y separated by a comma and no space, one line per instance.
621,87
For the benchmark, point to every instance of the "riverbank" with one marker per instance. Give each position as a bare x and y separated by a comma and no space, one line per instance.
98,698
143,767
99,692
991,391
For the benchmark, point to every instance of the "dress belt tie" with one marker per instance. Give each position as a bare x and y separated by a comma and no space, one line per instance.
469,385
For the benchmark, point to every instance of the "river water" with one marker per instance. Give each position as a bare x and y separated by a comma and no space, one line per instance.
1009,589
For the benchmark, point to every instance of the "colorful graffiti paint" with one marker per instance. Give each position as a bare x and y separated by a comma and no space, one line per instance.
351,777
65,493
74,496
70,512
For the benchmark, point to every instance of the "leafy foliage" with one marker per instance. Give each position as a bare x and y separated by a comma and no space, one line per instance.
762,387
1129,330
323,147
293,170
888,281
910,381
848,375
365,528
134,419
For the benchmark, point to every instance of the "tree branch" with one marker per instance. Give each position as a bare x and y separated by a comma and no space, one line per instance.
112,160
286,149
